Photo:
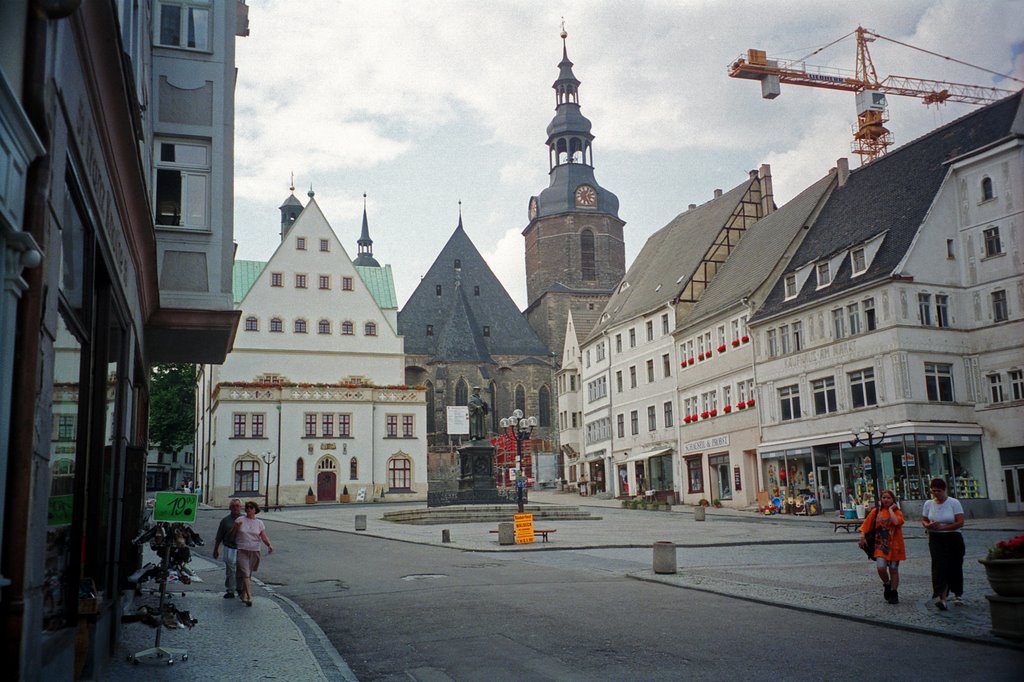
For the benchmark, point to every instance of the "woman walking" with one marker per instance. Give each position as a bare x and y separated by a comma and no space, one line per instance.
890,550
249,533
943,517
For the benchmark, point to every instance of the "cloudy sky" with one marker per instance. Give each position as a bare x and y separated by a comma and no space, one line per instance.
423,104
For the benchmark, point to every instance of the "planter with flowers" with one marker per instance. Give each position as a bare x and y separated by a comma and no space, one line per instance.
741,405
727,408
750,403
713,413
735,343
690,361
1004,568
700,356
704,415
745,339
721,349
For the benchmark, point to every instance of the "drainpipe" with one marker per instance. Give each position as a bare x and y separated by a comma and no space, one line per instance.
749,305
277,486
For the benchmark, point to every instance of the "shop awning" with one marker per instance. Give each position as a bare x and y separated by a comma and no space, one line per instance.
644,455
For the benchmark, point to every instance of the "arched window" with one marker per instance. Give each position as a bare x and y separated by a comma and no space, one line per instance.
544,406
430,408
461,393
520,398
276,325
300,326
300,469
347,329
986,188
587,270
62,476
323,327
353,469
492,391
370,329
252,324
399,473
247,476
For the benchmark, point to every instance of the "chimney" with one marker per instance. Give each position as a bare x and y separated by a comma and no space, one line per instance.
767,194
691,207
718,193
842,170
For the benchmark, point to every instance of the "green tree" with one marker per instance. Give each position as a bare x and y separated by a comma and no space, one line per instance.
172,399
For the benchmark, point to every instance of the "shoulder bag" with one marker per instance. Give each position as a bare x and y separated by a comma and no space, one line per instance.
869,537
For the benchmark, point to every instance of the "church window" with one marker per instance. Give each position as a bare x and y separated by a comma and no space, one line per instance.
300,326
300,281
353,469
247,476
182,184
300,243
986,189
325,281
461,393
325,245
252,324
347,328
323,327
185,24
276,279
300,469
370,329
276,325
544,406
587,266
520,398
346,284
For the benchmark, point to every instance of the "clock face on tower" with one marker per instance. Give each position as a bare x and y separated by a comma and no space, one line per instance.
586,196
533,207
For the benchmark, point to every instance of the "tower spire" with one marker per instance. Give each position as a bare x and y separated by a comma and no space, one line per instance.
365,256
290,209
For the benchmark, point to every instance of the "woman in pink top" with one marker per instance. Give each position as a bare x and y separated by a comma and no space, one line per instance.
249,533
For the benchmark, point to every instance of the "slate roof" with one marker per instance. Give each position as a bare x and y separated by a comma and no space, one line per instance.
669,258
458,316
758,253
243,276
894,193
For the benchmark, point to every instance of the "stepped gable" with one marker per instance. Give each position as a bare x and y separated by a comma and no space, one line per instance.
669,258
458,316
892,194
758,253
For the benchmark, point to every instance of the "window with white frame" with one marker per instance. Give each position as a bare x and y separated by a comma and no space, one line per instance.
938,378
668,414
995,387
600,352
184,24
182,184
652,418
824,393
1000,310
858,261
824,274
790,284
741,392
727,396
868,305
650,330
798,336
789,402
838,323
853,316
993,244
1016,384
862,388
773,343
735,331
924,309
941,310
784,339
721,336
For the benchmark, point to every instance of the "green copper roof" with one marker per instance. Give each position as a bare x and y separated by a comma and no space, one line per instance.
244,274
381,284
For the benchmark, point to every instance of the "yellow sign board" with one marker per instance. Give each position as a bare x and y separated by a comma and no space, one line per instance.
524,528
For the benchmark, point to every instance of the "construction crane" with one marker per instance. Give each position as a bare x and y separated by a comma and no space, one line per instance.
870,137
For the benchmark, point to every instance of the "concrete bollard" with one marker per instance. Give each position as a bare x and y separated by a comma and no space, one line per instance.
664,557
699,513
446,535
360,521
506,533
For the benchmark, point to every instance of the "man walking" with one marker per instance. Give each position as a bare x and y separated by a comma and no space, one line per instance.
226,536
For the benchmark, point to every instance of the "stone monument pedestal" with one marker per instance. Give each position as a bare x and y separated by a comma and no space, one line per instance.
476,480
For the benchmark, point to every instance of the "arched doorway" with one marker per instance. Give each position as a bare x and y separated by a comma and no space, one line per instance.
327,480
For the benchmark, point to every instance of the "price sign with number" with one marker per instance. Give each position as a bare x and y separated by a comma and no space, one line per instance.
176,507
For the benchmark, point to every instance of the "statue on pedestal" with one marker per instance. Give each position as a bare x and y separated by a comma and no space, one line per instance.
478,410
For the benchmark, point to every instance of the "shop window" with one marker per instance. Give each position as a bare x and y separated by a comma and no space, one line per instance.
1000,311
184,24
694,475
993,244
995,387
399,474
862,388
182,184
720,476
247,477
824,393
789,402
1017,384
939,381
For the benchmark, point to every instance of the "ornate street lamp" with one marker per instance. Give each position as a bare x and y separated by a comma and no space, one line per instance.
268,459
519,428
871,435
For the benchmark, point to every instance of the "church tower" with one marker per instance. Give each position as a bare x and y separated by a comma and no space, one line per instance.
575,254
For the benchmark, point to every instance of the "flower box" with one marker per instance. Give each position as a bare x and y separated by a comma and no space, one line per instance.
700,357
721,349
735,343
703,415
727,408
690,361
741,405
750,403
745,339
713,413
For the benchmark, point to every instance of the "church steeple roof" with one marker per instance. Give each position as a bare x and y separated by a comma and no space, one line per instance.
570,153
365,256
290,210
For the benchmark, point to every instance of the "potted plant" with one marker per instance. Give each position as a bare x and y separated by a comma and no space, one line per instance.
344,494
716,503
1004,567
310,497
703,502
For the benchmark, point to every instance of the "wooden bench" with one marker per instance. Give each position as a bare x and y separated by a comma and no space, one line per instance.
849,525
542,532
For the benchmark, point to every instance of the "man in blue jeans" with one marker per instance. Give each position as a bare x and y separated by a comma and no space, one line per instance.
226,536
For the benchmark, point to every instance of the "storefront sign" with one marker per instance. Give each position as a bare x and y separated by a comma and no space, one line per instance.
707,443
908,459
524,528
867,464
458,420
176,507
58,512
736,478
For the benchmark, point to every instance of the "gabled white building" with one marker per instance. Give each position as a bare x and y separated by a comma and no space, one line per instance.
312,395
570,416
907,291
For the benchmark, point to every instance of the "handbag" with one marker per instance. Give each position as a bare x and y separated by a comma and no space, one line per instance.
869,538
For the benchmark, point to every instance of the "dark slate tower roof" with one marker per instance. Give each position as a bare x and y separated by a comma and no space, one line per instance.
290,210
365,257
570,152
450,325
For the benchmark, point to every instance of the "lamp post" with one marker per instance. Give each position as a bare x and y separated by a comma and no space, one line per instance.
520,428
871,435
268,459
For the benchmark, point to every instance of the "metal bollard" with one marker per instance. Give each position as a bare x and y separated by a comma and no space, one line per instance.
698,513
446,535
506,533
360,521
664,557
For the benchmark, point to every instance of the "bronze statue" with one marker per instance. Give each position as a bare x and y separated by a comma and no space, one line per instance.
477,412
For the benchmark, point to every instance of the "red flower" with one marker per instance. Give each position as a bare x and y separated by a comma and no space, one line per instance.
727,408
690,361
750,403
735,342
714,413
703,415
700,357
745,338
721,349
741,405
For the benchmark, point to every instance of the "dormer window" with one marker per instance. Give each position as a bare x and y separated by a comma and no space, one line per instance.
986,189
824,274
858,261
791,290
